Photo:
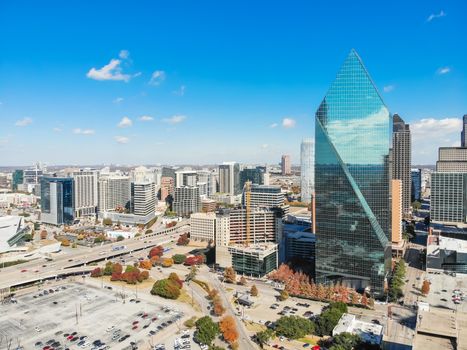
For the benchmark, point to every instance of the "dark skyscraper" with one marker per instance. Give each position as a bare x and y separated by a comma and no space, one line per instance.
464,131
401,161
352,133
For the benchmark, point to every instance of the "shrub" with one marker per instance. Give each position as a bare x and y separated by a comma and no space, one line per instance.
156,251
179,258
206,330
294,327
166,288
190,323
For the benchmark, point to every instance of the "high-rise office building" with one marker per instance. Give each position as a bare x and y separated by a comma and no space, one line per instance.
186,178
263,196
286,166
85,192
416,187
401,159
452,160
186,200
114,192
167,187
464,131
353,128
254,175
143,198
229,178
18,179
210,178
57,200
306,170
448,198
396,211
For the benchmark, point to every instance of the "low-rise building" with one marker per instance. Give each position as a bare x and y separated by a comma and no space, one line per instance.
446,253
12,230
369,333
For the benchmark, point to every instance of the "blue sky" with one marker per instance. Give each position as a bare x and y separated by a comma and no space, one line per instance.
232,80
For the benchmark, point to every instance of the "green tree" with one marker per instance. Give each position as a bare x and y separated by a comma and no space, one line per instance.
264,336
27,237
190,323
416,205
215,347
166,288
107,222
329,318
345,341
294,327
108,269
120,238
284,295
179,258
206,330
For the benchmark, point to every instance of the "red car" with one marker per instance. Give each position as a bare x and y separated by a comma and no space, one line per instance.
153,319
144,316
23,270
135,326
69,337
135,322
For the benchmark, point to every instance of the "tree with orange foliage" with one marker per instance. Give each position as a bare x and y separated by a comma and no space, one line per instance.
218,308
155,260
145,264
213,293
167,262
254,291
425,287
229,330
43,234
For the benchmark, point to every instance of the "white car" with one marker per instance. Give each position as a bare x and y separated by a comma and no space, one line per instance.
37,329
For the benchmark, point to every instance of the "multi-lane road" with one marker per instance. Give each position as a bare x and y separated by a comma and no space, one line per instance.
78,261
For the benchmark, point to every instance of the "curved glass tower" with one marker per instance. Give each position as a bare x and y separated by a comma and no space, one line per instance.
353,133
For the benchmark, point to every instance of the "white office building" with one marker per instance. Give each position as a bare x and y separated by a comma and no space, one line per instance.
203,226
143,198
113,192
306,170
85,192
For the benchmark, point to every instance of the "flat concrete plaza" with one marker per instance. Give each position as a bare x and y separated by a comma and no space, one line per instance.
55,310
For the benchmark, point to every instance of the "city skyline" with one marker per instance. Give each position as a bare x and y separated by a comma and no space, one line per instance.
147,91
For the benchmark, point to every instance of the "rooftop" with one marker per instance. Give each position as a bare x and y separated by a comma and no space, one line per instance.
369,332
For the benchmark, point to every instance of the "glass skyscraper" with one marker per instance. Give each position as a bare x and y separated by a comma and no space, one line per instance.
57,205
353,133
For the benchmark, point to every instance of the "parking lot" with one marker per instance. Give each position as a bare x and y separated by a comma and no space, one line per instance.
442,290
74,315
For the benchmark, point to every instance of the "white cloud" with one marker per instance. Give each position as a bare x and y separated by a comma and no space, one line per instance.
180,91
24,122
273,125
112,70
118,100
429,134
264,146
124,54
4,140
57,129
157,77
176,119
443,70
122,139
436,15
125,123
389,88
288,123
146,118
79,131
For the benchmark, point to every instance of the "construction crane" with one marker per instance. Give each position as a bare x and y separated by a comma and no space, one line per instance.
247,192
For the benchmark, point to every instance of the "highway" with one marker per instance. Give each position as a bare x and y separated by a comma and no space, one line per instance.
75,262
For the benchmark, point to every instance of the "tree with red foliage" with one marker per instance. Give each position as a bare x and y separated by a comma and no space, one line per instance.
156,251
155,260
116,276
183,239
144,275
218,308
97,272
194,260
229,330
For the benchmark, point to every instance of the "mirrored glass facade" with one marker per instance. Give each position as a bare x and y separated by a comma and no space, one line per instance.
353,133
